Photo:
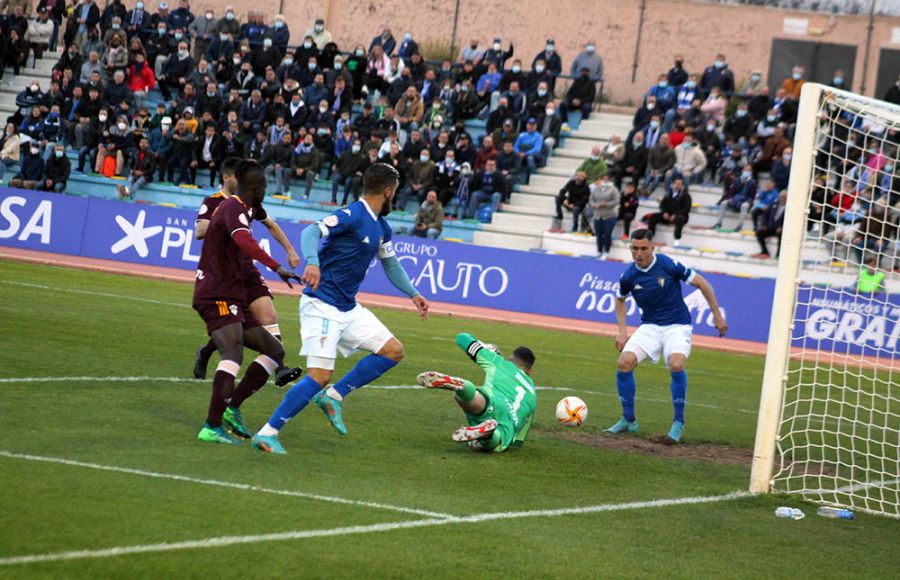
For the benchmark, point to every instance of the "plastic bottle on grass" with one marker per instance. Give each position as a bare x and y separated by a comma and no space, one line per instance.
836,513
789,513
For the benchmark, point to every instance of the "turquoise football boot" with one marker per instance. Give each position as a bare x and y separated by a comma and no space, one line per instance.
269,444
624,426
333,410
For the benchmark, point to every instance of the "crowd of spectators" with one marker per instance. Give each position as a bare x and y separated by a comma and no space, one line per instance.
165,95
702,129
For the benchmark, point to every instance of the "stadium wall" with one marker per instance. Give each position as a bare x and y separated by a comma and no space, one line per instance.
578,290
697,30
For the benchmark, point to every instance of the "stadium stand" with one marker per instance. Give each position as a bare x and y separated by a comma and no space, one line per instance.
486,92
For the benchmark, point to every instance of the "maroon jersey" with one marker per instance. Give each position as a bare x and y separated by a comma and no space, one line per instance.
211,202
221,271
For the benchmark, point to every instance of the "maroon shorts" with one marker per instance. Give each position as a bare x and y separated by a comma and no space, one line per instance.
222,313
256,285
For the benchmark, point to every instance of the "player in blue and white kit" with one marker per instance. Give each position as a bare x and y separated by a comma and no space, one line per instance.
654,280
331,321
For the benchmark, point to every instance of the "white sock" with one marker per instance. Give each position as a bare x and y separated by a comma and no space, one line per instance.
334,394
267,430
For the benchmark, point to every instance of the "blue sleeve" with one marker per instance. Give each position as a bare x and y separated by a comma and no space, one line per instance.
624,284
536,146
678,270
309,244
338,222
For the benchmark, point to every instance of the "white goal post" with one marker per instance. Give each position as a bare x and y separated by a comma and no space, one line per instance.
829,419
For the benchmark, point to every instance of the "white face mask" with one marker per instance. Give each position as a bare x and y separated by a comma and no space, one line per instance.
102,118
539,68
550,111
209,16
122,126
651,106
496,46
267,43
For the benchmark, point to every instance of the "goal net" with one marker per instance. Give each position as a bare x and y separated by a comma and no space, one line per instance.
829,420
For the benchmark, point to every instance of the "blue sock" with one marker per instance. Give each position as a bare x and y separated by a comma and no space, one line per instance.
626,387
366,370
294,401
679,392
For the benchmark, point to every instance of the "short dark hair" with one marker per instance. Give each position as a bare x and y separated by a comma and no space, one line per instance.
524,355
229,165
379,177
642,234
250,175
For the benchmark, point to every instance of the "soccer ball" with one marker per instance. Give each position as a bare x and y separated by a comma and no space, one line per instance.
571,412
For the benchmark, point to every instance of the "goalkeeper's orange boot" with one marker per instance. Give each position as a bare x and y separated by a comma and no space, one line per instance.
473,433
436,380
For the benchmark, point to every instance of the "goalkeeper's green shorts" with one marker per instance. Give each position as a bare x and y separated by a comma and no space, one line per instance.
496,409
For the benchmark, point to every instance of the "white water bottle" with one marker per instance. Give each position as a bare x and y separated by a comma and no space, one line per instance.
836,513
789,513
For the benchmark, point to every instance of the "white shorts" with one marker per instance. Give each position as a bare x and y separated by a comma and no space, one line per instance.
326,331
651,340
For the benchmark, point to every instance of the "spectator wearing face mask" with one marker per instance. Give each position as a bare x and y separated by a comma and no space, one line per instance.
794,83
202,30
419,180
385,40
407,48
496,55
643,114
684,99
717,75
590,60
552,61
537,75
677,76
117,141
306,163
318,33
574,196
31,170
176,71
265,55
594,166
86,16
56,170
753,85
181,17
664,94
39,33
781,169
690,162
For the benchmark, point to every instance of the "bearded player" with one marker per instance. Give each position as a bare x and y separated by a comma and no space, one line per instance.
499,412
220,298
259,297
331,321
655,282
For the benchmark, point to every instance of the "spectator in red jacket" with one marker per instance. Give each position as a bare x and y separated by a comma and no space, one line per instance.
140,79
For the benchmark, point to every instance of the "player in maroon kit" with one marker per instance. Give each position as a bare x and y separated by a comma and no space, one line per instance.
259,298
220,297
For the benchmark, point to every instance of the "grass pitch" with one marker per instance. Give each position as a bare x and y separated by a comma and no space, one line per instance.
67,323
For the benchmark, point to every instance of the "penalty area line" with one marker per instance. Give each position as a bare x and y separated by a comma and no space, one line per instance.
222,541
219,483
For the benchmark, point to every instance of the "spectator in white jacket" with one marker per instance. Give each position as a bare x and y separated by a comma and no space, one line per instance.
689,162
38,34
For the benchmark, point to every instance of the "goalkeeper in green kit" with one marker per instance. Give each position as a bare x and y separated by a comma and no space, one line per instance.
499,413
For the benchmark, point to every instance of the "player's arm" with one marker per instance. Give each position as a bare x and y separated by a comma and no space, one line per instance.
309,246
622,312
707,290
281,238
200,227
399,278
477,350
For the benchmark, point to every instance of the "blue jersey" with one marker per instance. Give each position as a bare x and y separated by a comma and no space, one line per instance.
353,236
657,290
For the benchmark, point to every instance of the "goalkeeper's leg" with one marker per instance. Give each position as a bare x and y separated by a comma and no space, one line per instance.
467,395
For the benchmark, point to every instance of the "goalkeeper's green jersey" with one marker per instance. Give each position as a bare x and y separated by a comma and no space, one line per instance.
510,392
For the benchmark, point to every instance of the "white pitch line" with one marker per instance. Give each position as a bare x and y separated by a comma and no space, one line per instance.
221,541
228,484
6,380
95,293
